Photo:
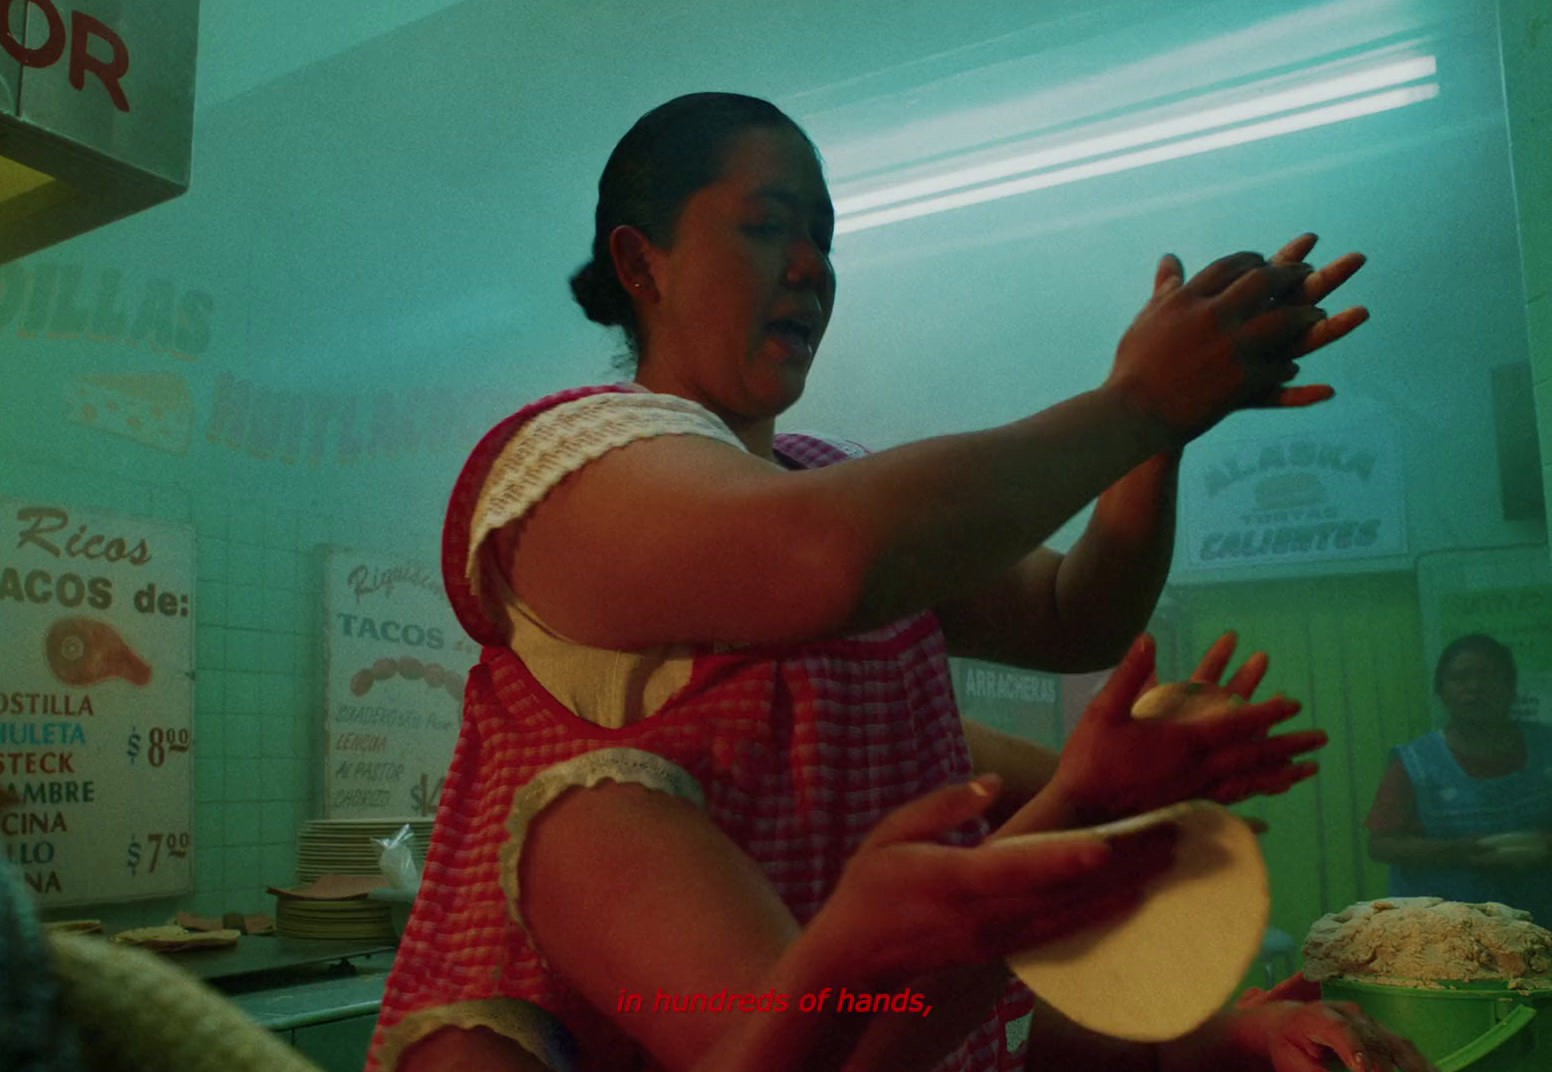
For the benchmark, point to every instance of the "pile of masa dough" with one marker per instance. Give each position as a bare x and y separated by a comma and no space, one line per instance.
1426,941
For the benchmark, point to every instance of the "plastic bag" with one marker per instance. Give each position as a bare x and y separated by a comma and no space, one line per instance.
396,859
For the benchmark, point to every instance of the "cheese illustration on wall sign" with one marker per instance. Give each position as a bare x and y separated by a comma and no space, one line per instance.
156,410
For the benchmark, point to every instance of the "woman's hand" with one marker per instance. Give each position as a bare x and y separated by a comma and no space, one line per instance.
906,905
1229,338
1115,765
1244,681
1513,851
1418,850
1294,988
1300,1036
1317,286
1289,1029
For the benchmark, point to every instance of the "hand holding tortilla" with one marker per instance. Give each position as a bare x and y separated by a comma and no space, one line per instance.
951,905
1157,973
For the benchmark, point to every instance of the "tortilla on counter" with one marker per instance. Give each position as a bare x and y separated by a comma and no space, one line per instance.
1162,971
175,939
74,926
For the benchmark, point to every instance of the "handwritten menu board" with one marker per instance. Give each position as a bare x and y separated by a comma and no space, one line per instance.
96,702
395,661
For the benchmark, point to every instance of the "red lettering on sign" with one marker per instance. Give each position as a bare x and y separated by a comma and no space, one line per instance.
46,53
83,28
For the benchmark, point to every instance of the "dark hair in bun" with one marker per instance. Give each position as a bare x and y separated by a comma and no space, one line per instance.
674,150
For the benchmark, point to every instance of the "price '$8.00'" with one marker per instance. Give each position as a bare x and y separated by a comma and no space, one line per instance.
160,741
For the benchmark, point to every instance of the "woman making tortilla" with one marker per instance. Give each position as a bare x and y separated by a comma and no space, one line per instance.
1465,812
712,745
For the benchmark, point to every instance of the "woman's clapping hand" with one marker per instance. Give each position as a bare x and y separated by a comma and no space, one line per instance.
1115,765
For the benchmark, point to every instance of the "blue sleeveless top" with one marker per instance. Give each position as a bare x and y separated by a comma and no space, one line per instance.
1452,804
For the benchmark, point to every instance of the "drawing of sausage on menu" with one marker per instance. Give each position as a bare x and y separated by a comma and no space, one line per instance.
84,651
411,669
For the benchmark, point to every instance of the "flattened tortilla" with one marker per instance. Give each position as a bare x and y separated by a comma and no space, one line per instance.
173,938
1160,972
74,926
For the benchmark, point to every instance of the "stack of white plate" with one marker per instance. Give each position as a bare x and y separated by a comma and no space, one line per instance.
356,918
346,846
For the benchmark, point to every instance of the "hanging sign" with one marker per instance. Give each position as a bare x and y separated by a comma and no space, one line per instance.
96,113
1270,503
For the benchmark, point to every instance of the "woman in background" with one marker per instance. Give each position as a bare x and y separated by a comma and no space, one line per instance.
1465,812
714,664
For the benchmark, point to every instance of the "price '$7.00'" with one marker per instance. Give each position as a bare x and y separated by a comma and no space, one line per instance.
157,849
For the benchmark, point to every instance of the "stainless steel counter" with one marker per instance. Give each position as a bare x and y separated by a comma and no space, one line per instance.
322,997
307,998
254,959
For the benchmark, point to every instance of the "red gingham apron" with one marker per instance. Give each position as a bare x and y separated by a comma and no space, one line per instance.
800,749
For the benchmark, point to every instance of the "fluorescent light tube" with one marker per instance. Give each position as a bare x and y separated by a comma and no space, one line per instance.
1390,74
1270,128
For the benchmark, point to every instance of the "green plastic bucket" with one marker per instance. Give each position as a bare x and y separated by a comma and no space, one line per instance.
1480,1027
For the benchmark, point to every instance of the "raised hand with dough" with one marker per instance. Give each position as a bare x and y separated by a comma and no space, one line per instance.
1116,764
1244,681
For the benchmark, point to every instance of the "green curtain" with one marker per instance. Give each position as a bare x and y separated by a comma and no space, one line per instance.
1350,648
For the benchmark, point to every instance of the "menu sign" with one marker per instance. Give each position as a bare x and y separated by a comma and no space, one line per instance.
395,659
96,702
